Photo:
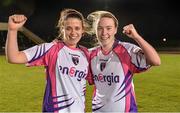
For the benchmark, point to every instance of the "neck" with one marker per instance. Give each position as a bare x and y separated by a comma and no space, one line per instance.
107,48
70,45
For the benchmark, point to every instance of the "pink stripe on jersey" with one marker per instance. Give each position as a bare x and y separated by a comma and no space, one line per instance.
90,75
94,91
52,73
37,62
94,52
128,98
127,105
125,59
133,94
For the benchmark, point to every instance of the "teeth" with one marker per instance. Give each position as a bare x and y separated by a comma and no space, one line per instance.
72,37
104,38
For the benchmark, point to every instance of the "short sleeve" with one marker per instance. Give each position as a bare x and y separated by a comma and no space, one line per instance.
137,57
36,54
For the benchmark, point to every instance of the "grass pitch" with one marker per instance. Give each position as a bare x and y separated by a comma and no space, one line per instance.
157,90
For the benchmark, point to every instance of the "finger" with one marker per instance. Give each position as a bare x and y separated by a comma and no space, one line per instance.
126,28
18,18
131,25
127,31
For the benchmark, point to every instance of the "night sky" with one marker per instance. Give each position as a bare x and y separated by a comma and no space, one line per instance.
154,19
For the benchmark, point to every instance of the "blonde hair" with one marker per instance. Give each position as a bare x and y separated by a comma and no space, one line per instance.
64,15
94,17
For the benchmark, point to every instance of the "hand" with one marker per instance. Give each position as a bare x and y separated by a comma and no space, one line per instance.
15,22
130,31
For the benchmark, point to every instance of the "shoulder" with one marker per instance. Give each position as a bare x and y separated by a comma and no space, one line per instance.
39,48
82,47
93,49
44,46
57,44
125,44
129,46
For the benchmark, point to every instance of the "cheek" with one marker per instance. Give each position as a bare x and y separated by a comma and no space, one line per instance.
65,32
98,32
80,33
113,32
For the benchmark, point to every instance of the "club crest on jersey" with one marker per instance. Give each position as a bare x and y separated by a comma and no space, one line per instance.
75,60
102,66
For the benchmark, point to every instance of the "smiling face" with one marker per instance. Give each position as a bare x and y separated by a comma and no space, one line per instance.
106,31
71,27
73,30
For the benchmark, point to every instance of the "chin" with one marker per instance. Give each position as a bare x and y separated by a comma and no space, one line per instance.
104,42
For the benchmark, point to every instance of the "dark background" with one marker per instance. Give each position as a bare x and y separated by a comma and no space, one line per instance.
153,19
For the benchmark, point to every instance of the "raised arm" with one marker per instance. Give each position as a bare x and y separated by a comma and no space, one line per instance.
150,53
13,54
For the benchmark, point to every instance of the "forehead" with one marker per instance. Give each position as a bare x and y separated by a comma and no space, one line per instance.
73,21
106,21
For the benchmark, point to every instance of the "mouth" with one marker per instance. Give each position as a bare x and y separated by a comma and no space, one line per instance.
104,38
73,37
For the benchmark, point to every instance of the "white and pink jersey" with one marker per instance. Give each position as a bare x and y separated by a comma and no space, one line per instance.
112,75
66,70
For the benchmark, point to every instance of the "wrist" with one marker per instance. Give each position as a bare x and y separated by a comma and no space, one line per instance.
12,30
137,37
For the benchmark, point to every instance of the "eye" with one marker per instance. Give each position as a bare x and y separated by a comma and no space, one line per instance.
99,28
77,28
68,28
109,28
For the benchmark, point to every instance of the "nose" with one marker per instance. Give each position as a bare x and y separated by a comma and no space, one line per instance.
104,31
73,31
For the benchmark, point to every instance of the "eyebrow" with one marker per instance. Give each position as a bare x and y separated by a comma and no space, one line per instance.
105,26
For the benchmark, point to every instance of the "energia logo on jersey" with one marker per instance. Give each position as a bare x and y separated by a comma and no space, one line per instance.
73,72
106,78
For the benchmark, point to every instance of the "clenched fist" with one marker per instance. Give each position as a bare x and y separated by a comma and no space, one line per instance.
130,31
15,22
